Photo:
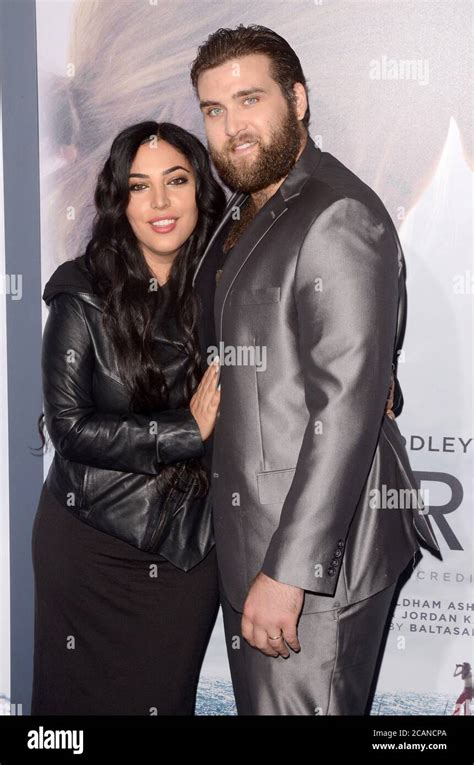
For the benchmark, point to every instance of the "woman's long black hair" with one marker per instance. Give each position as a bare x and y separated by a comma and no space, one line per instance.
122,277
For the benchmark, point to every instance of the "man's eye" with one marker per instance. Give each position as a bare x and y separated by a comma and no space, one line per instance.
251,98
214,109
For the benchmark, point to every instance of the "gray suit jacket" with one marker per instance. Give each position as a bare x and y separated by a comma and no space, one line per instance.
301,446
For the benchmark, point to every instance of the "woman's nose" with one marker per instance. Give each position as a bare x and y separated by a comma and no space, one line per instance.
160,198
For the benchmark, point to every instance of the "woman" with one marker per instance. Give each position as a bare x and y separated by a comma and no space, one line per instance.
466,674
124,563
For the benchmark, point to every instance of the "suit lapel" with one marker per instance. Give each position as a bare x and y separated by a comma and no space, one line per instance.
261,224
255,232
235,200
292,185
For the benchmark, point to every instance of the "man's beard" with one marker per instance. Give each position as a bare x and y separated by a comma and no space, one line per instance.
272,163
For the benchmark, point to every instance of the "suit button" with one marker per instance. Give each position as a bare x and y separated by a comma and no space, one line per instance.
334,562
331,571
340,543
337,554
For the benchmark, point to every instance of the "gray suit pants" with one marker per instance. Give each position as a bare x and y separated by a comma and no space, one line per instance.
331,675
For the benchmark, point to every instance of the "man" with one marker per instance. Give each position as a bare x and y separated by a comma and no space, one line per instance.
310,275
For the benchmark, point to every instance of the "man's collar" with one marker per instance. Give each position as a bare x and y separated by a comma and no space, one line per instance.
276,204
302,169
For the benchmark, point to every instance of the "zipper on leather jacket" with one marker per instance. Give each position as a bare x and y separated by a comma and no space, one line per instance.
160,526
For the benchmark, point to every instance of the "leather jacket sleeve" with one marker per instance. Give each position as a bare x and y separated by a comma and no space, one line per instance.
133,443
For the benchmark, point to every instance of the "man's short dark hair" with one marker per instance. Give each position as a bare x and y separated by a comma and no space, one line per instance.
229,44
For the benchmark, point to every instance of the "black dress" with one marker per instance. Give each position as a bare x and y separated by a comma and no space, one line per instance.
117,630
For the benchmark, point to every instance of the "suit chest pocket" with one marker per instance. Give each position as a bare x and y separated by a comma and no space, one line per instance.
274,485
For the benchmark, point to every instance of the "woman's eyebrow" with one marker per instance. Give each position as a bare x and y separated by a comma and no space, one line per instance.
165,172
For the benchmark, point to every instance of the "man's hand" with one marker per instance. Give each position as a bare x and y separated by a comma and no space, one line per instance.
270,616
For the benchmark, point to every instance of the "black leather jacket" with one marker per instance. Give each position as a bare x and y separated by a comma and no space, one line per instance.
105,458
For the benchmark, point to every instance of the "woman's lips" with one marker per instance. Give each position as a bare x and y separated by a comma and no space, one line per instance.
164,226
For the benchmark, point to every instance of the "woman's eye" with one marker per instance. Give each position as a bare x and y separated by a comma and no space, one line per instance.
173,182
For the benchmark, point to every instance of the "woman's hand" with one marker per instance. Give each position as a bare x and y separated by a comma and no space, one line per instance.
205,402
390,399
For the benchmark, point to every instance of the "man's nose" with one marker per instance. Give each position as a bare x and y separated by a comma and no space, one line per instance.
234,123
